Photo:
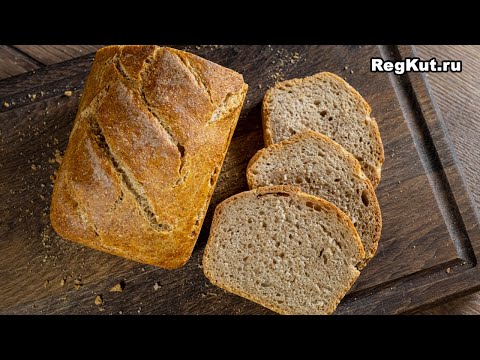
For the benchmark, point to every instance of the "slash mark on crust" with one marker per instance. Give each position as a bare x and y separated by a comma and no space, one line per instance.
151,110
132,186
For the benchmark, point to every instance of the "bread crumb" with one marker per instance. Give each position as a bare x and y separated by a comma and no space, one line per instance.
68,93
62,282
53,177
156,286
259,86
351,71
77,284
118,287
6,104
99,300
345,68
448,271
58,157
46,283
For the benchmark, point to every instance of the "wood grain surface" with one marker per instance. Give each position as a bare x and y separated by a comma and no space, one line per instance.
458,97
52,54
46,298
13,63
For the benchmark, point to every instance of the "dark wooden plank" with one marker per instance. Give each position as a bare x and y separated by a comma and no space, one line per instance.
458,97
420,239
52,54
13,63
47,82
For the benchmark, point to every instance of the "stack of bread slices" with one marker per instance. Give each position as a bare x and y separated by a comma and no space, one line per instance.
296,242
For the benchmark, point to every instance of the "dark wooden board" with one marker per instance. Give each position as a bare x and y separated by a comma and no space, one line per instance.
12,62
52,54
430,240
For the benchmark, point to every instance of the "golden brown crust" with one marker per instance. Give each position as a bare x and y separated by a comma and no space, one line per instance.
372,197
147,146
374,174
267,133
291,191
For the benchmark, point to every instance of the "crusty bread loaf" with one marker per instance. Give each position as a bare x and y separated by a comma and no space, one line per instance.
327,104
145,152
321,167
288,251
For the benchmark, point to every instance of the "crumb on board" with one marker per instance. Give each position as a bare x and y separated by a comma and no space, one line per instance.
118,287
156,286
57,157
99,300
6,104
62,282
53,177
46,283
77,284
68,93
283,58
35,167
448,271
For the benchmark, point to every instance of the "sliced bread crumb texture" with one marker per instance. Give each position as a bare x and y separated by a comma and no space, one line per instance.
288,251
321,167
327,104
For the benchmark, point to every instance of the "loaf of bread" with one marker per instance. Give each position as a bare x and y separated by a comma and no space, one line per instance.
327,104
151,133
321,167
288,251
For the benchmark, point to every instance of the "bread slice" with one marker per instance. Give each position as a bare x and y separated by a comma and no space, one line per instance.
321,167
288,251
327,104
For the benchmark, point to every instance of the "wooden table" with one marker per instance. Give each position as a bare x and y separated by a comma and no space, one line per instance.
456,95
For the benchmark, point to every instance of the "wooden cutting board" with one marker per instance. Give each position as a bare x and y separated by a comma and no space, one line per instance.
430,240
